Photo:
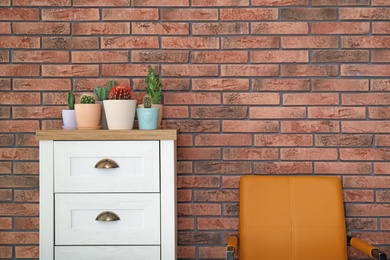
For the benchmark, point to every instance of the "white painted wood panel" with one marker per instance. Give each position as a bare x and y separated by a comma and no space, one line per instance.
74,166
107,252
139,222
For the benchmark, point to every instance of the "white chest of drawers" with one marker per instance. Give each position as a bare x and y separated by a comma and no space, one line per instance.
107,194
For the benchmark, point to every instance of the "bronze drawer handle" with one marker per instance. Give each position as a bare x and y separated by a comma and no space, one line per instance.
108,216
106,164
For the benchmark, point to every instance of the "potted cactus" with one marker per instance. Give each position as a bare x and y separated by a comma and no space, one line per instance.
68,115
147,116
120,108
102,94
88,113
154,90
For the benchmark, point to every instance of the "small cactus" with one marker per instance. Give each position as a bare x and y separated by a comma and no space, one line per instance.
120,92
154,86
71,100
87,98
102,92
147,101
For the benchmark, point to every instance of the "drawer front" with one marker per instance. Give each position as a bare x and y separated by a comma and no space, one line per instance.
107,252
138,171
139,222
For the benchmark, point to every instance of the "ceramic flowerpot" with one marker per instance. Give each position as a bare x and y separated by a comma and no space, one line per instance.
88,116
147,118
160,112
120,114
103,120
69,119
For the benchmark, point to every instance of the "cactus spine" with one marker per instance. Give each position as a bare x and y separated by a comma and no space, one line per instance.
71,100
147,101
120,92
87,99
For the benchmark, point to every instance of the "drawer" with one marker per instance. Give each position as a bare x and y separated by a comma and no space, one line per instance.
107,252
139,222
137,171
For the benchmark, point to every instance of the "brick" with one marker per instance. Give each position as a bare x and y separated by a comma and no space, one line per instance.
6,251
252,126
344,140
231,182
364,14
251,42
219,112
70,43
40,56
382,196
192,98
100,56
220,84
160,28
184,14
5,112
310,126
19,126
198,181
161,3
5,167
220,28
88,84
340,85
362,223
381,168
19,42
36,112
27,251
5,28
19,70
366,99
337,112
190,43
19,238
100,28
308,154
6,140
5,2
175,112
211,252
381,56
18,210
277,112
340,28
5,84
41,84
40,28
259,154
283,167
380,3
198,210
184,195
223,140
280,3
198,154
42,3
230,209
4,56
279,56
124,70
339,2
186,251
27,223
380,28
15,14
20,98
191,238
70,14
283,140
281,85
220,3
5,223
251,98
19,181
310,99
366,182
219,57
309,70
189,70
279,28
130,42
217,223
26,140
184,139
51,124
5,195
308,14
250,70
70,70
26,195
309,42
101,3
365,70
380,84
160,56
385,224
340,56
382,140
216,195
379,113
365,127
222,167
249,14
370,42
130,14
185,126
358,196
364,154
26,168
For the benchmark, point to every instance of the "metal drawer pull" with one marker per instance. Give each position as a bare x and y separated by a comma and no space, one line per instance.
108,216
106,164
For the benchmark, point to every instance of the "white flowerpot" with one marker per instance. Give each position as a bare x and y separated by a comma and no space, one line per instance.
69,119
120,114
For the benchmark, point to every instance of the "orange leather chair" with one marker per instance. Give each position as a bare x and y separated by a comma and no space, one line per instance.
293,218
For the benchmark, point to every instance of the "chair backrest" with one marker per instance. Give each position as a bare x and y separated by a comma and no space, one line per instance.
292,218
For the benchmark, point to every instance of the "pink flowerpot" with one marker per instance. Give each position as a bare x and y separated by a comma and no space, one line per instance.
88,116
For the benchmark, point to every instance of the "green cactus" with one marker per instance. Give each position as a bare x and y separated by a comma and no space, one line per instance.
71,100
154,86
87,98
147,101
102,92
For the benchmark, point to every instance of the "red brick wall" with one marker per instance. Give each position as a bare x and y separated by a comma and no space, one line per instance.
255,87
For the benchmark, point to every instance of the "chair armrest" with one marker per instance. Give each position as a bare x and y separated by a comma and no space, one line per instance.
366,248
231,247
